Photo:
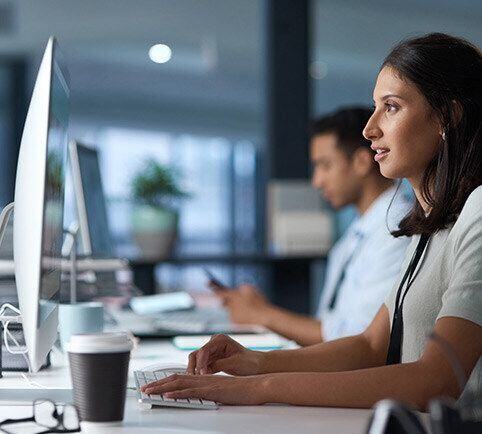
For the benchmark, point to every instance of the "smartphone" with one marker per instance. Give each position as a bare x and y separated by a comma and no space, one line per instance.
214,281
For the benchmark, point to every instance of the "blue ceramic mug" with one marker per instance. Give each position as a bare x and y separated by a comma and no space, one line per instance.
80,318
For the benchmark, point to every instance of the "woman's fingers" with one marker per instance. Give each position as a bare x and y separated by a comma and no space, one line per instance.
228,390
174,382
202,358
191,365
204,361
205,353
195,392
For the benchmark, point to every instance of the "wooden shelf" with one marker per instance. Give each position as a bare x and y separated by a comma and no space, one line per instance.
241,258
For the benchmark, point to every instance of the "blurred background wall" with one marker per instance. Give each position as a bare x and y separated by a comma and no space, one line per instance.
209,109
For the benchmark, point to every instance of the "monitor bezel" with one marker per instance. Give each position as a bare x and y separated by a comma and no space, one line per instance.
58,61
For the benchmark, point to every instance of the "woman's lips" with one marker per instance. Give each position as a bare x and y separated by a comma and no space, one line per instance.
381,153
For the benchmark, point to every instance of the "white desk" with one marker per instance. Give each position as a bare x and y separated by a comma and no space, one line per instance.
228,419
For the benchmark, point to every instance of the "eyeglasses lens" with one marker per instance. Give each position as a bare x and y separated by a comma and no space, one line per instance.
70,417
44,413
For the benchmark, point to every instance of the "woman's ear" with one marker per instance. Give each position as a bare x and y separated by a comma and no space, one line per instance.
458,111
362,161
456,115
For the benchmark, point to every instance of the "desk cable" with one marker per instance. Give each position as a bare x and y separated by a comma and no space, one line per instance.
7,335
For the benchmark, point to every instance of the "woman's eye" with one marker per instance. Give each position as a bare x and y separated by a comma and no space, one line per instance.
390,107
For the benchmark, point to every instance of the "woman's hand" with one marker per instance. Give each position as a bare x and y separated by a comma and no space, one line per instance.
222,353
227,390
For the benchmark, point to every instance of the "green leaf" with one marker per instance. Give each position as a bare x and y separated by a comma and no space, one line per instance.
157,185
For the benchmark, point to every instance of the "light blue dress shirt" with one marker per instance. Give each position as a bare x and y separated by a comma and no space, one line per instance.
371,259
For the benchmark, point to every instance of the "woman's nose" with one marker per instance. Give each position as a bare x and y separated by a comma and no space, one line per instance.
372,131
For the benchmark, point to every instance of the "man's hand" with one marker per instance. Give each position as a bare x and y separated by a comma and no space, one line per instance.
224,354
246,305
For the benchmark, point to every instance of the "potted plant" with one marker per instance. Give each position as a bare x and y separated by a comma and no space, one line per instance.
155,192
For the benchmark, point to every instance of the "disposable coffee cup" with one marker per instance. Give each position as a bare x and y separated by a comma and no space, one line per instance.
99,364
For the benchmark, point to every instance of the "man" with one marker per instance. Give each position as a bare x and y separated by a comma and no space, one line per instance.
364,264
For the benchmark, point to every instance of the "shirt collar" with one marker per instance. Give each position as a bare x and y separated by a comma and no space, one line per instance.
375,215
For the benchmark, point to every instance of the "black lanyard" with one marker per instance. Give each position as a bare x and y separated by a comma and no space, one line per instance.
396,335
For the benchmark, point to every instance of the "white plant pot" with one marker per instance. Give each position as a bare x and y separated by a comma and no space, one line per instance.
155,231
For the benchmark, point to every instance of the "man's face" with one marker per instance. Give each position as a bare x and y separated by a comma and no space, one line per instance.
334,174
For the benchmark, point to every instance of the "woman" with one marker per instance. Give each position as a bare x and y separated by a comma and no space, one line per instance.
426,127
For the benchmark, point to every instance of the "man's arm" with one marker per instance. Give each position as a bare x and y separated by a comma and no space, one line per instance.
246,305
302,329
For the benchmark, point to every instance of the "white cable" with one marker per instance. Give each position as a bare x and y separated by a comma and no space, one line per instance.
7,334
6,320
35,384
6,306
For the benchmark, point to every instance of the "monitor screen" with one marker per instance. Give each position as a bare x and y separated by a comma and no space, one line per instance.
52,233
94,199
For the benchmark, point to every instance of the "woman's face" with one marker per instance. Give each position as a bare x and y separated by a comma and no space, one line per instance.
403,128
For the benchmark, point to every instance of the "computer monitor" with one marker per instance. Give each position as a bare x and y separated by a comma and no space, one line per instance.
39,201
94,232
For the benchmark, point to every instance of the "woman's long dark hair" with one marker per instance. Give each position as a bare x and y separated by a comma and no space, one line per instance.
448,72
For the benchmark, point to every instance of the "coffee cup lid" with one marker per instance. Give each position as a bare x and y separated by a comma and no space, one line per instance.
99,343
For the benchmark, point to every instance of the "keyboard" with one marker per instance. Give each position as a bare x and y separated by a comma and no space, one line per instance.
194,321
188,322
201,321
153,374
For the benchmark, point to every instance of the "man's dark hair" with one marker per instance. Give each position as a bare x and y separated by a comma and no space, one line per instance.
347,125
448,72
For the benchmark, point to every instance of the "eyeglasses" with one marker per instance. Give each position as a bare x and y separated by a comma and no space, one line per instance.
57,418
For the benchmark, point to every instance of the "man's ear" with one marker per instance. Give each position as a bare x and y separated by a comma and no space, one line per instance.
362,161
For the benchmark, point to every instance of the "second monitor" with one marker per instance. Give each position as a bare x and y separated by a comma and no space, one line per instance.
95,235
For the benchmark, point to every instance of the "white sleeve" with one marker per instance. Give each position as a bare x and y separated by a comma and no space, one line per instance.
364,293
463,297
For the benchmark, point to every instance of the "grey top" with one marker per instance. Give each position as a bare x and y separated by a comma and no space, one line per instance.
448,283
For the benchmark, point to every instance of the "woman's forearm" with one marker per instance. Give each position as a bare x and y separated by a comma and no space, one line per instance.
344,354
365,350
412,383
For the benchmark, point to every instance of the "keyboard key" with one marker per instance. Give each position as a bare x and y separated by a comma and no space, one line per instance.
195,401
165,398
150,377
160,375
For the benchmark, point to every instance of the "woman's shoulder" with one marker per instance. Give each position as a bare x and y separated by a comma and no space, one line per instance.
473,206
470,218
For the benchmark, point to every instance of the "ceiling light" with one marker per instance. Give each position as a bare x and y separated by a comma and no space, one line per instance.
160,53
318,69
